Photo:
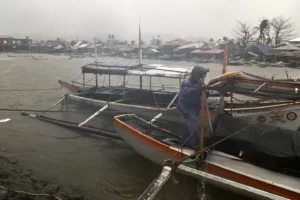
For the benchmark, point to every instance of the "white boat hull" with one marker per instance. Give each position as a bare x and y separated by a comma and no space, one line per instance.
275,115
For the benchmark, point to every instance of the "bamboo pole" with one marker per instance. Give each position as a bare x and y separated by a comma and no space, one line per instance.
53,106
157,184
202,123
160,114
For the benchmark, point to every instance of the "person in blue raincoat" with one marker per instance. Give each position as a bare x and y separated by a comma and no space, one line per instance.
189,104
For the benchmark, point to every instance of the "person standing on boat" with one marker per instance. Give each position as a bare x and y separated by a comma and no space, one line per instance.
189,104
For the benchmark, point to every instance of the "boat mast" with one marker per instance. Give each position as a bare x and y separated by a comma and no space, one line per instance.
95,50
96,75
223,72
140,54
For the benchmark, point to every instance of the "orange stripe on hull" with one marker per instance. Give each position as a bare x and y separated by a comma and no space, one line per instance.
148,140
251,182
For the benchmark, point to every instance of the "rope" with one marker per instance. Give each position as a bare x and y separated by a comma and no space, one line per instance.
20,90
29,193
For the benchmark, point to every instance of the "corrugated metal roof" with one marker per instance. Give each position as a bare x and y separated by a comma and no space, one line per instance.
176,42
126,49
211,51
83,45
190,46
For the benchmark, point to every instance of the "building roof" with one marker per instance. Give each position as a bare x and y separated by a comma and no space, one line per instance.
208,51
190,46
287,47
263,48
83,45
126,49
295,40
176,42
4,36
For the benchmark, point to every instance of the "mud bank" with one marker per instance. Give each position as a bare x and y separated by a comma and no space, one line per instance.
22,184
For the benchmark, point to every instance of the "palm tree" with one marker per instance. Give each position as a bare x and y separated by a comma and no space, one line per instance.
132,42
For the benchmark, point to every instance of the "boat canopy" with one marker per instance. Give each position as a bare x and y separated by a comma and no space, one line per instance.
154,70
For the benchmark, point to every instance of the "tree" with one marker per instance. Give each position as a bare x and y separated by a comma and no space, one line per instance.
282,29
132,42
113,37
244,34
211,40
264,32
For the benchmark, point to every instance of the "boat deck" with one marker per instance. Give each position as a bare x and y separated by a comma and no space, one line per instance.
236,165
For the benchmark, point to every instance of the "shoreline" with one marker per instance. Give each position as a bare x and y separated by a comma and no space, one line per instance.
22,184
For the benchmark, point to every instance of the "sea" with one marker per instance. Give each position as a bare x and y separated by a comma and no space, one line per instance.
98,167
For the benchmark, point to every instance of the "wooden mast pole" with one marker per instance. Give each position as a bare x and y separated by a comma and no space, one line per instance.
95,40
140,53
223,72
203,99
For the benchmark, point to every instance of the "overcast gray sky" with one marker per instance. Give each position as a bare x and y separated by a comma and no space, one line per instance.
169,18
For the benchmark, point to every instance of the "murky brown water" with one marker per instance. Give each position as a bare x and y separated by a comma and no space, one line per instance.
99,167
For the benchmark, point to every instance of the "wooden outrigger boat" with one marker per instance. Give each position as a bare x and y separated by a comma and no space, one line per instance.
223,170
227,169
247,84
149,102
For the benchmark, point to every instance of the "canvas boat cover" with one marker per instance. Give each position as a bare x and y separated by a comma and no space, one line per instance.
137,70
261,144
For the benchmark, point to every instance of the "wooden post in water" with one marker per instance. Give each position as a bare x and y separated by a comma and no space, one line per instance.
95,40
223,72
140,54
124,86
96,76
83,81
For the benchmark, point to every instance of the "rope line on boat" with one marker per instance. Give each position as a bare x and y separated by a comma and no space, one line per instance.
20,90
29,193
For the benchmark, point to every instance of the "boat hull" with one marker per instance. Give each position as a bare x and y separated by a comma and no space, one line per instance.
280,113
222,170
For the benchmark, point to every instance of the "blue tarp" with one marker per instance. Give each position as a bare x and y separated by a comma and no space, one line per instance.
263,48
